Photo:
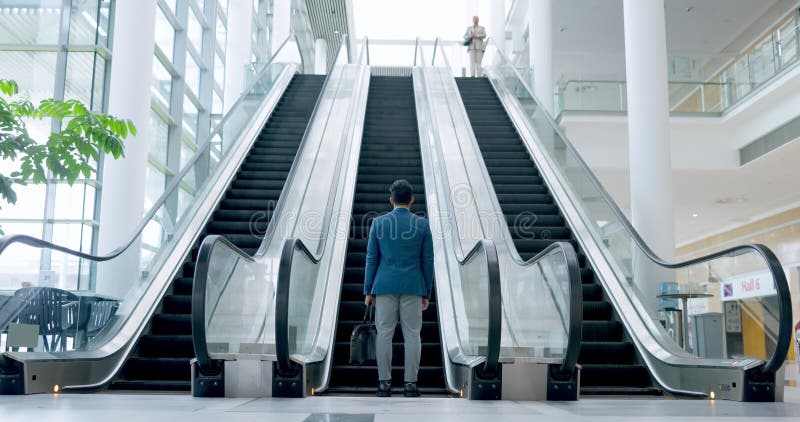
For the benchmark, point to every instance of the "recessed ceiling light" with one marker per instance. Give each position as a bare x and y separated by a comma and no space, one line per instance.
695,215
689,9
562,29
731,200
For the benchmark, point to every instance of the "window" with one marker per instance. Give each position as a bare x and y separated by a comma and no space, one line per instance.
165,34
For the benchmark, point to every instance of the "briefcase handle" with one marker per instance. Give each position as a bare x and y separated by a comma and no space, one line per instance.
368,314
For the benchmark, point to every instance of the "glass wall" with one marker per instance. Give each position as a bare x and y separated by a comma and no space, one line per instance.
64,52
54,52
188,87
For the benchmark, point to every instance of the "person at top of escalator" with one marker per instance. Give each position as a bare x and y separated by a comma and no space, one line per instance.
474,40
398,282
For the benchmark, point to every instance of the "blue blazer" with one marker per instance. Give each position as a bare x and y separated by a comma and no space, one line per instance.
399,255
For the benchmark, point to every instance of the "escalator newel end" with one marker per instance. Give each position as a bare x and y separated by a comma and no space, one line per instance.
287,383
758,387
208,382
486,386
12,377
562,386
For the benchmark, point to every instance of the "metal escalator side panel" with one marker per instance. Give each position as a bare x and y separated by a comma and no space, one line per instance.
94,368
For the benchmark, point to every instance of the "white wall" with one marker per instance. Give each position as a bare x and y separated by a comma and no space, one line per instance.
697,143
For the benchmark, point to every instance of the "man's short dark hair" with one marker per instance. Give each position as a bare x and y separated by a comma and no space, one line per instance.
402,192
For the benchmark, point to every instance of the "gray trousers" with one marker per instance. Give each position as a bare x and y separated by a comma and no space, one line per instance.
408,309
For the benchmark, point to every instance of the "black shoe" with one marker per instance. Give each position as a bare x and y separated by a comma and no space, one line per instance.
410,390
384,389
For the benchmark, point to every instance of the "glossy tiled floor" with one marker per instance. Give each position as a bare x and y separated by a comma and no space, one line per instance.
172,408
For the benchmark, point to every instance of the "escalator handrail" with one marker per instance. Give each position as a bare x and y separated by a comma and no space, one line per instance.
282,299
200,283
35,242
199,295
575,302
486,246
773,264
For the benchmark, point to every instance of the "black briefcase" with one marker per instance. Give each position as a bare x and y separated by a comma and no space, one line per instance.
362,340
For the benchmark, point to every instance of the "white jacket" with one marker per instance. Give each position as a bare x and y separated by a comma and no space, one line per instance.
478,42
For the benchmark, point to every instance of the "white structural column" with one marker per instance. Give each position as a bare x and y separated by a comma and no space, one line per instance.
648,134
540,48
123,189
281,22
237,50
497,24
320,56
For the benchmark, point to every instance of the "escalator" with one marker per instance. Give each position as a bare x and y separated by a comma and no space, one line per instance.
389,150
610,362
160,359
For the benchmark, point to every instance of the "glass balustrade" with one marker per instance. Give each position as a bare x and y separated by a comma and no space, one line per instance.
766,58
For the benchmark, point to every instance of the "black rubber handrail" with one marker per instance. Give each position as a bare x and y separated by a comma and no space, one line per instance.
575,316
485,246
8,240
282,301
199,286
773,264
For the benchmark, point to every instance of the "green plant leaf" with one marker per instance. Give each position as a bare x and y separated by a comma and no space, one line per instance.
68,153
9,87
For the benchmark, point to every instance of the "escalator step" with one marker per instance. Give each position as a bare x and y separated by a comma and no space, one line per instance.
602,331
608,352
601,375
178,304
596,311
163,323
157,369
148,385
166,345
620,391
367,376
592,292
227,228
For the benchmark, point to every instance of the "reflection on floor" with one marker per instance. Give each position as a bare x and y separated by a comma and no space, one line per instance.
172,408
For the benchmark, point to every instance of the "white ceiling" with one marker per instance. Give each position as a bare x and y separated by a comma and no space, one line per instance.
588,35
597,25
723,199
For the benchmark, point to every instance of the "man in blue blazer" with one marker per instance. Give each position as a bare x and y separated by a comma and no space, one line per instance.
398,281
